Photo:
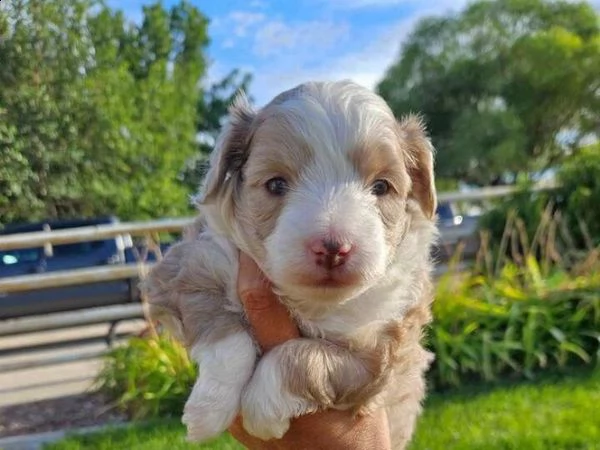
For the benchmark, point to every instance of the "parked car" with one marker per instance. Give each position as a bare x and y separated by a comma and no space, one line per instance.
37,260
456,228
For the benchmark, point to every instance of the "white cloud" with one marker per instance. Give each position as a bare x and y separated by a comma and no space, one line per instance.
242,21
364,63
259,4
357,4
277,37
271,37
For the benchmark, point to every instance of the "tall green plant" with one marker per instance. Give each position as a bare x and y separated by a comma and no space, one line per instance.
148,377
538,309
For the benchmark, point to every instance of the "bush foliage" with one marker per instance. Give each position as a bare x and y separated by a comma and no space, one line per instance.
148,377
518,323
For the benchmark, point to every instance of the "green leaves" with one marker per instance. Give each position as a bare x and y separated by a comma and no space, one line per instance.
506,87
148,377
98,115
580,180
523,320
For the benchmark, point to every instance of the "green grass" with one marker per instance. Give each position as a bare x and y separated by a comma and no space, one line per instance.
167,434
554,412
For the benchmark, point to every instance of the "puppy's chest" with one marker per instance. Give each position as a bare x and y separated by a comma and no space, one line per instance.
364,315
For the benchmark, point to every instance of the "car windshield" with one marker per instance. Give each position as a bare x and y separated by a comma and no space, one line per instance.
25,255
444,211
30,255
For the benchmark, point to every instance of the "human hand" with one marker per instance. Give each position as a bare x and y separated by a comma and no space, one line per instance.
328,429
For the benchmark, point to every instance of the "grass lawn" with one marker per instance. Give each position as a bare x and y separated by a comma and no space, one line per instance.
555,412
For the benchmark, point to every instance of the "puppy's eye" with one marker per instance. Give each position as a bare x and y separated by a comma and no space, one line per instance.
277,186
380,187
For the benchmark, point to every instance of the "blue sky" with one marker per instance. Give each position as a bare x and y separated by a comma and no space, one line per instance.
286,42
283,43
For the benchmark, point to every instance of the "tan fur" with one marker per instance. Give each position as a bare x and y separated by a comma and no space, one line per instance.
334,365
186,293
420,163
373,164
274,154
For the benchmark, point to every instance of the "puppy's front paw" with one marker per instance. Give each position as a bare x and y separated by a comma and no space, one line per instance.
267,406
263,424
205,421
225,367
264,413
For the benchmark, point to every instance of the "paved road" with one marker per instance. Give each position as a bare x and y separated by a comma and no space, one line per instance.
56,380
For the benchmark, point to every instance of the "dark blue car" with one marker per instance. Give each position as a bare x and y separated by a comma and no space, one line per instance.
65,257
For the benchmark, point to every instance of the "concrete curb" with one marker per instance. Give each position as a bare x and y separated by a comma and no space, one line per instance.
38,440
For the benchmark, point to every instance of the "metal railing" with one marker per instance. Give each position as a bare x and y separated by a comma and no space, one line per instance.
122,271
90,233
489,193
111,315
149,229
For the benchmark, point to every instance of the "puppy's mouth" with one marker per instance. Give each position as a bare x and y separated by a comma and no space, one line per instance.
329,279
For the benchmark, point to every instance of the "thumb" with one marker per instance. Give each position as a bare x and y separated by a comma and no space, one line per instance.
268,317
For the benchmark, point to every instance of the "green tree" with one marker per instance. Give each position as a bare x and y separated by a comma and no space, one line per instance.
152,74
99,115
506,86
42,51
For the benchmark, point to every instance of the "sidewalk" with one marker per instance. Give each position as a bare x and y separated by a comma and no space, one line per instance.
36,441
57,380
43,403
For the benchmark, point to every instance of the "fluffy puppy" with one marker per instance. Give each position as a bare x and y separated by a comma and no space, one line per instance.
335,200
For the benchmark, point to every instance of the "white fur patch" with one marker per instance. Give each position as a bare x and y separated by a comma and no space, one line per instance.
225,367
267,406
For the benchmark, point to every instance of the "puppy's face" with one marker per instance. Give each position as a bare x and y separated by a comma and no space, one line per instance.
316,187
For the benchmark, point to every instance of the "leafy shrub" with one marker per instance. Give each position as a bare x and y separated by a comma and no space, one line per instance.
148,377
516,323
537,309
579,178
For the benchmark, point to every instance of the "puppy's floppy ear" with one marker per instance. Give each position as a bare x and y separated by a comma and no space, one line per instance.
419,152
231,150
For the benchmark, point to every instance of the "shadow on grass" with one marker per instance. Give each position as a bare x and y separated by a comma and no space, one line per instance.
572,376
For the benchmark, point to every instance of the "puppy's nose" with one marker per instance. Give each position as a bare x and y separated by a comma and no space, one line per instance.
330,253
